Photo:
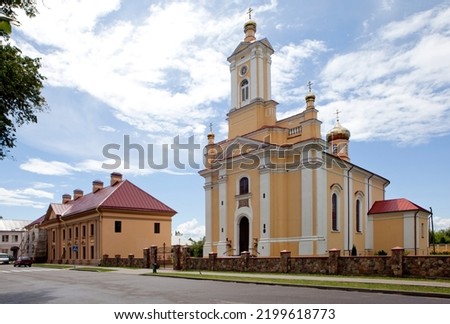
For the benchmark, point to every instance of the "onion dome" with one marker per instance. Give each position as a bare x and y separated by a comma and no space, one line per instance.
338,132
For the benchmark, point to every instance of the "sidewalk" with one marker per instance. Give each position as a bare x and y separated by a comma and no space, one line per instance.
388,280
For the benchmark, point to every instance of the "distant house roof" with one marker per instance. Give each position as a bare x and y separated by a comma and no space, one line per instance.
123,195
13,224
394,205
36,222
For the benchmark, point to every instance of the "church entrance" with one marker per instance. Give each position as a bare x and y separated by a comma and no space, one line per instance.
244,232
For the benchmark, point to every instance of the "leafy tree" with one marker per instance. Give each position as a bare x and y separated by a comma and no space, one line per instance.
441,237
196,248
20,81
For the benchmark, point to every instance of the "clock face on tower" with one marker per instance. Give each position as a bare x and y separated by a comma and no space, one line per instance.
243,70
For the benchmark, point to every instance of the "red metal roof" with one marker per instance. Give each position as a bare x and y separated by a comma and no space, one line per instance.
123,195
394,205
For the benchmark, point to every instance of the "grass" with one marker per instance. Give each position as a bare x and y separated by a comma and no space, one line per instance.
92,269
72,267
384,287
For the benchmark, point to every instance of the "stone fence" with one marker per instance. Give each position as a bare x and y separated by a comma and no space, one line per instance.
398,264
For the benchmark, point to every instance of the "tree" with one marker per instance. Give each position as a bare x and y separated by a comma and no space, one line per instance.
20,81
196,248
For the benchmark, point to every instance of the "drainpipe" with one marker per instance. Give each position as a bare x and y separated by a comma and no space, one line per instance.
98,230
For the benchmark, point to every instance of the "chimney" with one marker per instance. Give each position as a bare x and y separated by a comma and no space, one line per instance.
97,185
115,178
77,193
66,198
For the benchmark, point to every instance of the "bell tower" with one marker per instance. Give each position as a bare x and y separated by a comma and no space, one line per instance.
250,67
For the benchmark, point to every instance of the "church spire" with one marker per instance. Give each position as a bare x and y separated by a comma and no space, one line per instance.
310,97
338,139
250,28
211,134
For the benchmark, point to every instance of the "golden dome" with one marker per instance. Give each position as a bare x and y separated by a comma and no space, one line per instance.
338,132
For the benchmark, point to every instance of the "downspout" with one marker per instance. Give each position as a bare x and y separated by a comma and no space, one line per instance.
348,210
99,234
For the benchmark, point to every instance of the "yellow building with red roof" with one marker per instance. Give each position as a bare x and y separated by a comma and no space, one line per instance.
120,219
275,185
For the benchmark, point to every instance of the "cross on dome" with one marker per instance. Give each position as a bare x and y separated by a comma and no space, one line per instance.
337,115
250,10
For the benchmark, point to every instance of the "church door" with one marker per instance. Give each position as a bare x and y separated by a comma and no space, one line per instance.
244,233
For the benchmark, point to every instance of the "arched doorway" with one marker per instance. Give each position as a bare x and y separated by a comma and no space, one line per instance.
244,232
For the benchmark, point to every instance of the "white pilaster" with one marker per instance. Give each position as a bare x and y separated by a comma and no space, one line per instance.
322,202
234,86
369,220
223,234
264,232
306,247
207,247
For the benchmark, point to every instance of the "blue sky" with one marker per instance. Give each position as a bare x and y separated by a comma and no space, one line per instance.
153,71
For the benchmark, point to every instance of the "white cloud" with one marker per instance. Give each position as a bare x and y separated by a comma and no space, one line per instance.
36,165
191,229
395,87
24,197
441,223
160,75
42,185
287,65
108,129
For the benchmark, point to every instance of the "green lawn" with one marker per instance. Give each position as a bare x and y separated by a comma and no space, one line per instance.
387,287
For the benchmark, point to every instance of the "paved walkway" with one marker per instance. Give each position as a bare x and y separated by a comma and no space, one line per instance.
392,281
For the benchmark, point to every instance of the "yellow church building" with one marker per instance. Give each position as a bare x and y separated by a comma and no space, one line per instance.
277,185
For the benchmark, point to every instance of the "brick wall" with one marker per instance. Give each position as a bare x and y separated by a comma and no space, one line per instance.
396,265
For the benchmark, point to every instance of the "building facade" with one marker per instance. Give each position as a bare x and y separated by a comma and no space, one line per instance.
277,185
12,234
117,220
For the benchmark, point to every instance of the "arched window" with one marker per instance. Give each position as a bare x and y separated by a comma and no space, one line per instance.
244,90
358,215
243,186
334,212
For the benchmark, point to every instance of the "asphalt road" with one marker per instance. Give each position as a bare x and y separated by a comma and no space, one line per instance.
49,286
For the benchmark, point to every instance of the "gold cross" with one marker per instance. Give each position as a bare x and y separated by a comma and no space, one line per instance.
250,10
337,115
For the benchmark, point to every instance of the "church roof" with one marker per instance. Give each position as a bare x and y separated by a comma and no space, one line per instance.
394,205
243,45
123,195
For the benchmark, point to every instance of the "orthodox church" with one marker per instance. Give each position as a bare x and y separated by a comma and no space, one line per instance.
276,185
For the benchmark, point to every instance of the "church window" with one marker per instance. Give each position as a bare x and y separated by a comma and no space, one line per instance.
243,186
244,90
335,150
358,215
334,212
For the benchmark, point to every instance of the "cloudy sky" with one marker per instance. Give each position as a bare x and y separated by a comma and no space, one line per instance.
152,73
